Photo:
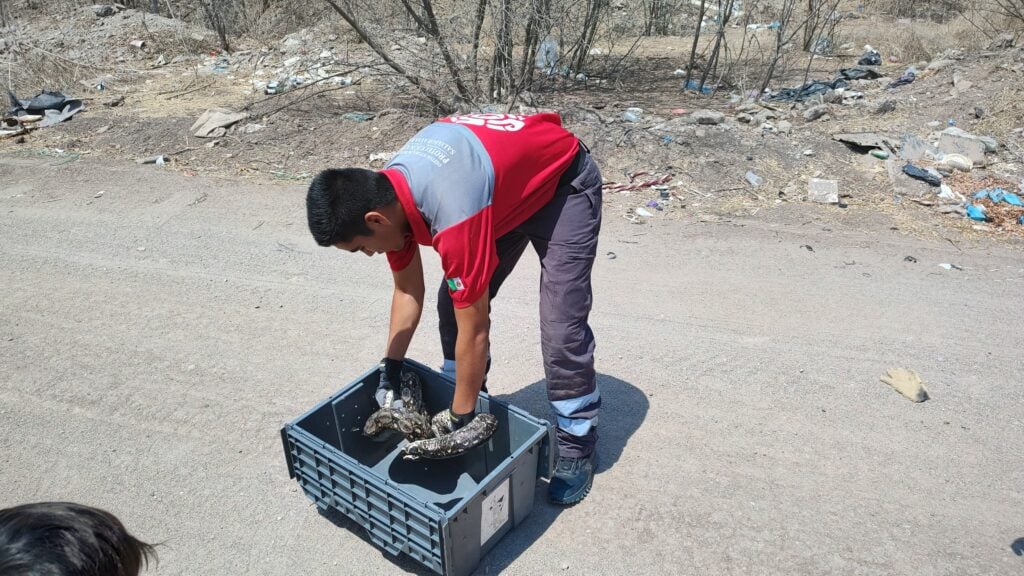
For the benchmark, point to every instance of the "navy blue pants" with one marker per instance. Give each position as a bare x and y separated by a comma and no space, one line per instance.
564,235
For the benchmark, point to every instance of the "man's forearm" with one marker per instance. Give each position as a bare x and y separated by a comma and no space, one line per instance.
405,316
471,348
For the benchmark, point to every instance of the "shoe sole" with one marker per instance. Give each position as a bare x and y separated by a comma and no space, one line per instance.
569,503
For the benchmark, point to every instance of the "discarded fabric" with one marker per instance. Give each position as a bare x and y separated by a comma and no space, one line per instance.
908,77
859,74
809,90
923,175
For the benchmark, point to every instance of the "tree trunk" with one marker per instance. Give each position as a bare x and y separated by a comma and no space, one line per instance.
478,24
696,39
501,68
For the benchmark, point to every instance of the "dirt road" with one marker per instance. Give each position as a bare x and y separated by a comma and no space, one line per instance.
154,338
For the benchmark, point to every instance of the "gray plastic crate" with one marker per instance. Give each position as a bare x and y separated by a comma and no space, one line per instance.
446,514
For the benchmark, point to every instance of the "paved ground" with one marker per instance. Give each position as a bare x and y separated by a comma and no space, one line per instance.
154,339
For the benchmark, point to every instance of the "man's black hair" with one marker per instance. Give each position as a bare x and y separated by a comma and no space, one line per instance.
67,539
338,200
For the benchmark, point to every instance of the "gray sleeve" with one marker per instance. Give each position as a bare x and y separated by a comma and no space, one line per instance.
449,173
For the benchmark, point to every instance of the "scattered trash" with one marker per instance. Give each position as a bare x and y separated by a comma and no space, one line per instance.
137,44
633,114
807,247
753,179
152,160
98,194
160,160
957,162
923,175
907,383
910,259
359,116
808,152
251,128
273,87
612,256
809,90
913,148
880,154
979,112
657,180
1012,199
679,73
864,142
908,77
547,56
946,193
707,117
822,46
870,58
214,122
823,191
976,212
859,74
694,85
949,266
141,248
644,212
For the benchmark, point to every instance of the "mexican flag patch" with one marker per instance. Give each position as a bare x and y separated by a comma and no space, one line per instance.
455,284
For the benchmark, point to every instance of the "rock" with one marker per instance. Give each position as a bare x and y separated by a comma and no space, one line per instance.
833,97
103,10
812,114
769,128
956,141
913,148
823,191
886,107
700,133
937,65
991,145
960,83
765,116
957,162
935,124
748,106
785,127
745,118
708,117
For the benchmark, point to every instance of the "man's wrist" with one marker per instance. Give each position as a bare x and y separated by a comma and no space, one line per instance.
392,370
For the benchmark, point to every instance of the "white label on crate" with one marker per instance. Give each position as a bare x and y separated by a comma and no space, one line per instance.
494,512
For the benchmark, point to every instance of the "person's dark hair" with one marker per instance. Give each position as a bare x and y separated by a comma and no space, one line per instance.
338,200
67,539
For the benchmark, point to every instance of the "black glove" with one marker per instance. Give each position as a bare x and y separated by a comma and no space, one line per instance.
390,376
454,435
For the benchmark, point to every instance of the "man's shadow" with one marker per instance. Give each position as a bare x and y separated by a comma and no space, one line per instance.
623,410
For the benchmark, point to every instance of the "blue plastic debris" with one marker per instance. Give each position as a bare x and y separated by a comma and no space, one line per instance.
695,86
981,194
997,195
976,212
1012,199
1021,221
